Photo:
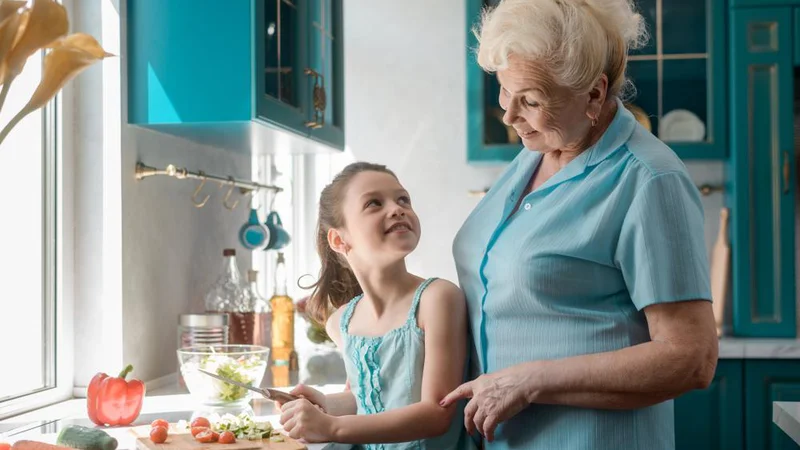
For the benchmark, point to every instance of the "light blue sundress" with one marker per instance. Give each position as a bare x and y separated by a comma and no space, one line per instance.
385,372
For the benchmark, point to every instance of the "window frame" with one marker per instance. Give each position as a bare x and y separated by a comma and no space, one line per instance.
57,180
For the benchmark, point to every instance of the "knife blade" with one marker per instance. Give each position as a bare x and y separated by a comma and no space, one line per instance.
271,394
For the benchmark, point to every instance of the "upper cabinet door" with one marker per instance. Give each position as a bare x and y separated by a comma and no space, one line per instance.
179,72
762,172
325,72
281,36
680,76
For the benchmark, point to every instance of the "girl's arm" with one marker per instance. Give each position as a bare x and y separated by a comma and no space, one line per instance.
338,404
443,317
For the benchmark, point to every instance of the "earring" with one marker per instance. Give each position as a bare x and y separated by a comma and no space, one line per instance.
594,122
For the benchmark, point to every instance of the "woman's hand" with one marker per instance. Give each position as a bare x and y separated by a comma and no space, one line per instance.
496,397
302,419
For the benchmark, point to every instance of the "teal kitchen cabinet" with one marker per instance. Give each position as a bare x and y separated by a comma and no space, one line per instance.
796,43
712,418
681,69
768,381
237,67
761,173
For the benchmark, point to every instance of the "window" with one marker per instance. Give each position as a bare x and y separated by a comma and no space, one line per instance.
28,299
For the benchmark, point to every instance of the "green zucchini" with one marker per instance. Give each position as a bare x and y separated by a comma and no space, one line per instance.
84,438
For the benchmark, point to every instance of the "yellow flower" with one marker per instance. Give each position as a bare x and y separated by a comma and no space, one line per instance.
45,22
12,21
67,59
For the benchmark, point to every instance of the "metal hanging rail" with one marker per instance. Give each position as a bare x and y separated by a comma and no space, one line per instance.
144,171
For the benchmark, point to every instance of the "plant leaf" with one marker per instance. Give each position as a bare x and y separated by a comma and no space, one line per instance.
71,56
46,22
9,31
9,7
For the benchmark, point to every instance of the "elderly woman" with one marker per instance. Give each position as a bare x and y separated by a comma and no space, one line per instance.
584,267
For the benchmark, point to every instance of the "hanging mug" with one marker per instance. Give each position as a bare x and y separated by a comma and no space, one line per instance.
253,235
278,236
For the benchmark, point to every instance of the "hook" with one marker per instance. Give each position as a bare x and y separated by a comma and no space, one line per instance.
252,193
196,192
228,195
272,202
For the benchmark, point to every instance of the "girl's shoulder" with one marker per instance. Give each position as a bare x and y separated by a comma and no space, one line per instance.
440,299
333,325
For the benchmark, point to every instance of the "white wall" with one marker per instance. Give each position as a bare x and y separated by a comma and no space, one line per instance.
171,250
405,107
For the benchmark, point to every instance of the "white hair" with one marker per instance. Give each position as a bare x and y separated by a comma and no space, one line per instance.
575,40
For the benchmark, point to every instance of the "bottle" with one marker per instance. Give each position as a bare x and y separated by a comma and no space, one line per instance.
227,293
260,311
254,325
282,316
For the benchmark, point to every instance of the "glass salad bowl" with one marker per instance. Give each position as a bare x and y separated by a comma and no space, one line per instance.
243,363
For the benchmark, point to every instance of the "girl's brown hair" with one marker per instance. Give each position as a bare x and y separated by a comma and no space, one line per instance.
337,283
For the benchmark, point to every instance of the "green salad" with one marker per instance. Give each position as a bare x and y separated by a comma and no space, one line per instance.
242,426
246,370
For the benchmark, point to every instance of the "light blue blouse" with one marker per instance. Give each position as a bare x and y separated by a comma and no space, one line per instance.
616,230
385,372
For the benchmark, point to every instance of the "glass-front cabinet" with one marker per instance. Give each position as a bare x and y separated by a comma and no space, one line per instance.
679,78
299,58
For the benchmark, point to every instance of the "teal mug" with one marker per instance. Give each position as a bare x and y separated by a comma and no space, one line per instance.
278,236
253,235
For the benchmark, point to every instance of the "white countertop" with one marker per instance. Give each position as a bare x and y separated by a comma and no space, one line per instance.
786,416
45,423
759,348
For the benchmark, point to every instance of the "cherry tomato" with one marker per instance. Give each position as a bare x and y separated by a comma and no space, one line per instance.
201,422
4,446
207,436
226,437
198,430
158,435
160,423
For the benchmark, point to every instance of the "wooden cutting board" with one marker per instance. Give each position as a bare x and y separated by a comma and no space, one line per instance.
188,442
185,441
720,271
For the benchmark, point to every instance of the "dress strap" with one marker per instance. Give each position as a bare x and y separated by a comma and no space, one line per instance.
348,314
412,313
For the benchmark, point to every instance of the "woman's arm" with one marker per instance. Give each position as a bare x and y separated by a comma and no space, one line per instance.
442,315
681,356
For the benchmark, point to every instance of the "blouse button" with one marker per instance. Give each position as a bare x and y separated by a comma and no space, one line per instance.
527,206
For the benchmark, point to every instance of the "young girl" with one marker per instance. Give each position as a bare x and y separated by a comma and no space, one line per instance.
403,337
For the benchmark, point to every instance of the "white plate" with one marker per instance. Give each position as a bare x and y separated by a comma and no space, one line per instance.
681,125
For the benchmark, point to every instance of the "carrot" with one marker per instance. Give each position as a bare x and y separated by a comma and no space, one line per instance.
35,445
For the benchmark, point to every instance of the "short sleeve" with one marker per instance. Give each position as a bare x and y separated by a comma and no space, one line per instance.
661,249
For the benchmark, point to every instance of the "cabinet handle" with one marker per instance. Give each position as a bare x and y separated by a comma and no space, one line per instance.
318,98
786,173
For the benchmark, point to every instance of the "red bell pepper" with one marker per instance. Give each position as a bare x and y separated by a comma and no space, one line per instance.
114,401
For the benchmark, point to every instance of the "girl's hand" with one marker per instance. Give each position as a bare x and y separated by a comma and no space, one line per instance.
304,420
496,397
312,395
